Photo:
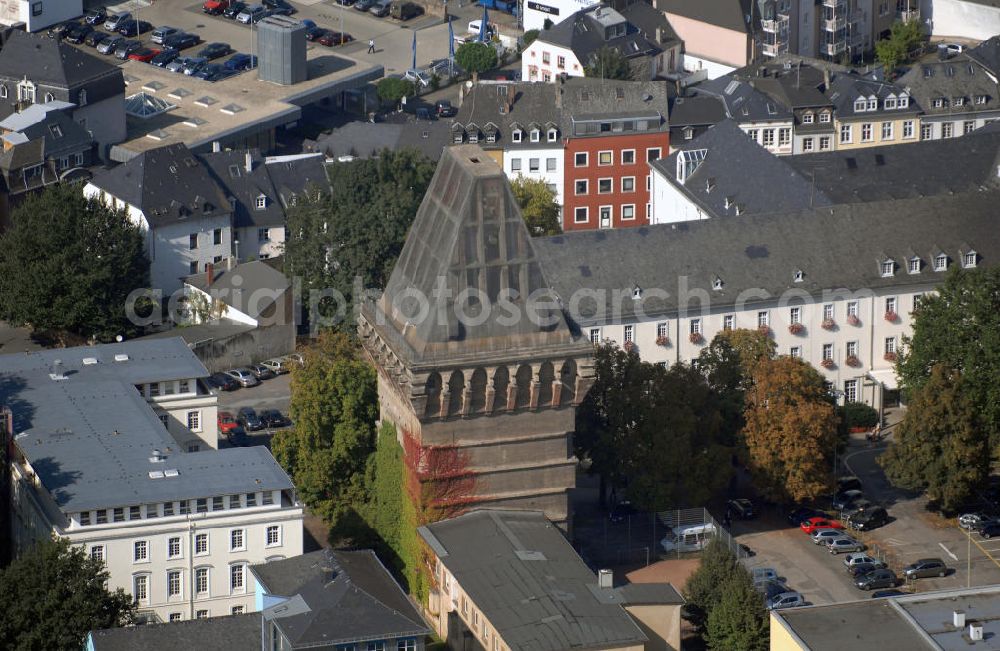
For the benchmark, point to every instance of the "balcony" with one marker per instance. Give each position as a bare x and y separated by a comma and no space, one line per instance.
836,4
835,25
777,26
908,15
833,49
771,49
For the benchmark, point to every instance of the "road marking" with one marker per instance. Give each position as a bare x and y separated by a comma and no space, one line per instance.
981,548
948,551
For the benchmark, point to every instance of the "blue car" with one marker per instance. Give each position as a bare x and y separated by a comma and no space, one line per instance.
241,61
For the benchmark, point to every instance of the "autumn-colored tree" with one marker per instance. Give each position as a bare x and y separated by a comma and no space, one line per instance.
334,407
790,431
728,363
939,446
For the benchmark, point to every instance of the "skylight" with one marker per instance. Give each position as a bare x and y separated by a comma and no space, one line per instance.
145,106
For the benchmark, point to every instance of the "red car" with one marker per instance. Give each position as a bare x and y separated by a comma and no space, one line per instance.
812,524
145,55
226,422
331,39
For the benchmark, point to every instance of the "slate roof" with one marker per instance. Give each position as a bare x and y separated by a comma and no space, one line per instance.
337,597
229,633
730,14
239,286
242,187
638,594
697,110
646,18
737,170
583,33
60,133
49,61
834,246
960,76
529,582
799,86
534,103
742,101
846,88
987,54
291,176
167,184
90,436
585,97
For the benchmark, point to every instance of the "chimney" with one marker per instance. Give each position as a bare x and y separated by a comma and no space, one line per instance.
605,579
210,270
248,162
559,94
958,618
216,146
826,79
659,34
975,632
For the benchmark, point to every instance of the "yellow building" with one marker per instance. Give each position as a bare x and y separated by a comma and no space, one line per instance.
871,113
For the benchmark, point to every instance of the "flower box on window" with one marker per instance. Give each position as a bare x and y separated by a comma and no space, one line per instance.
891,317
827,363
695,338
829,324
663,340
796,328
853,319
852,360
889,357
629,346
764,330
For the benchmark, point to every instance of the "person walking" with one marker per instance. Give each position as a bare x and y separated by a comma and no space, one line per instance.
371,46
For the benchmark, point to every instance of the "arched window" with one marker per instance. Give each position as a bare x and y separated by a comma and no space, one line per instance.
3,91
49,97
26,91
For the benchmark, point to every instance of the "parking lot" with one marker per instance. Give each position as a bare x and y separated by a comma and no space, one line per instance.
274,393
913,533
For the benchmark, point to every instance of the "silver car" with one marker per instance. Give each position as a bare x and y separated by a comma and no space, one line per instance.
858,558
244,376
161,33
844,544
786,600
821,536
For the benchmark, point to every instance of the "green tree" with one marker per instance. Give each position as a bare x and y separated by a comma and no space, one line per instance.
529,37
475,57
53,594
728,364
791,430
705,587
334,407
357,231
939,446
68,264
608,63
959,327
904,37
393,89
538,206
738,622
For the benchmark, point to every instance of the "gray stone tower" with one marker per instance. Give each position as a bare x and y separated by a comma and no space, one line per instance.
498,384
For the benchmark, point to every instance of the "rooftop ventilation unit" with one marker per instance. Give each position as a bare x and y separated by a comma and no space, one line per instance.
605,579
958,617
56,371
121,357
156,474
172,472
975,632
89,361
157,457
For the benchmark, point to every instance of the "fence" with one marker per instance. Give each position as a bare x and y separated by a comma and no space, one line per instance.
644,538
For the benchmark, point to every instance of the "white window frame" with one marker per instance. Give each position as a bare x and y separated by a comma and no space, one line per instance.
631,152
852,308
763,319
276,529
194,420
242,535
610,181
605,153
174,540
171,575
534,135
140,551
852,349
867,132
628,334
242,574
143,580
661,329
913,265
576,215
695,326
795,315
628,178
553,135
795,351
908,129
827,352
205,572
969,259
586,159
197,539
626,208
891,305
595,335
890,345
888,131
97,553
846,134
728,321
828,312
850,390
887,268
516,135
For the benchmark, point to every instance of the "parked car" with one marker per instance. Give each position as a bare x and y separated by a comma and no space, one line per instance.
240,61
238,437
215,7
863,569
848,483
110,44
243,375
260,371
989,530
115,20
868,519
226,422
212,72
95,37
859,558
970,520
165,56
277,365
878,579
224,382
214,51
857,506
194,64
333,38
401,10
364,5
770,589
380,8
78,33
278,8
444,109
621,511
177,65
252,14
880,594
96,16
764,574
181,41
143,54
818,522
924,568
297,358
741,508
126,48
248,418
821,536
132,27
845,498
60,30
233,10
315,33
273,418
161,33
786,600
797,516
844,544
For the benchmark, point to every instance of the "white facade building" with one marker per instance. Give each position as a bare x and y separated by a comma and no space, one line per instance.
970,19
115,449
543,61
544,165
37,15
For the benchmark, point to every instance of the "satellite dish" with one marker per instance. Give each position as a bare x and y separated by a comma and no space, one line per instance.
119,338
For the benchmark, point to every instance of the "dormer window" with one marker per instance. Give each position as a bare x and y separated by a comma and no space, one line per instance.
688,133
889,103
535,135
798,276
859,105
824,117
49,97
980,99
903,102
959,101
969,259
26,91
940,262
553,135
516,135
913,265
807,117
260,202
3,91
872,104
887,268
717,284
636,293
939,102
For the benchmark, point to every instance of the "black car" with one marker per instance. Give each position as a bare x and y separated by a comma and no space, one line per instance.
248,418
273,418
278,7
621,511
96,16
238,437
868,519
863,569
315,33
126,48
990,529
848,483
444,109
62,29
215,51
95,37
133,27
741,508
796,517
224,382
165,56
877,579
234,9
79,33
181,41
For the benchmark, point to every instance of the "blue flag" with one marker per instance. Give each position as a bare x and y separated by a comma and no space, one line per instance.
484,25
414,50
451,41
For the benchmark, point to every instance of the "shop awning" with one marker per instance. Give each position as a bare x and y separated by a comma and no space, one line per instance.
885,377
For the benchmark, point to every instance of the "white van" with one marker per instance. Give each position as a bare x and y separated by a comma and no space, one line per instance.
691,538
